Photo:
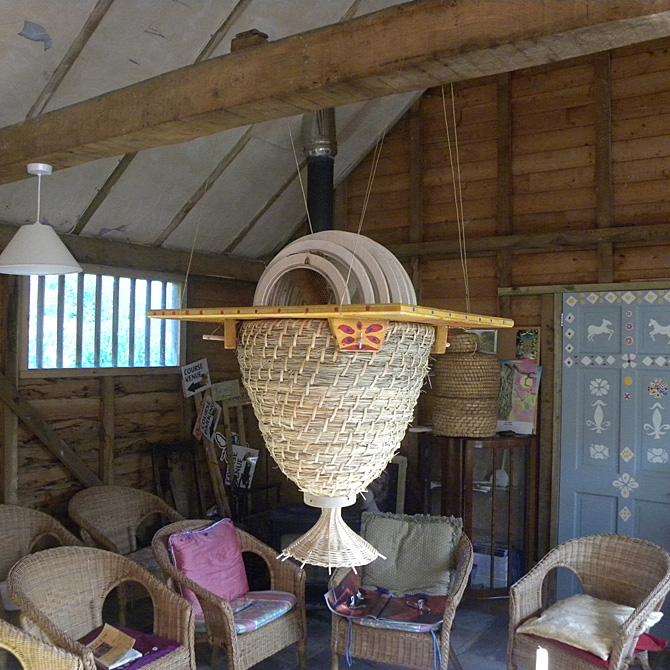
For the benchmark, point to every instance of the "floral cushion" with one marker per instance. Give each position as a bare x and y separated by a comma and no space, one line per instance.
256,609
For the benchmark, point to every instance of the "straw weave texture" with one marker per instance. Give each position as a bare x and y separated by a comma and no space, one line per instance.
461,342
35,654
467,376
465,417
332,420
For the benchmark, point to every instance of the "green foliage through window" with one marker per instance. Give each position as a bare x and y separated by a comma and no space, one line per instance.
99,321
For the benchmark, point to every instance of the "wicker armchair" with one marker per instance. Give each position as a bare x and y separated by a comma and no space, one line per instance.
61,593
109,516
250,648
411,650
33,654
612,567
22,530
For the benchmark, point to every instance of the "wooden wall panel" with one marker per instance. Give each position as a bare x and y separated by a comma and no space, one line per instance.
641,134
148,409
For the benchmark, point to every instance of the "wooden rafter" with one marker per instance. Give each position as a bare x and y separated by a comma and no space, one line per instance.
408,47
214,41
522,242
222,166
76,47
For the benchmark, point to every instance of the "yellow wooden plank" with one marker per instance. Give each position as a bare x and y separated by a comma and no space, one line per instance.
395,312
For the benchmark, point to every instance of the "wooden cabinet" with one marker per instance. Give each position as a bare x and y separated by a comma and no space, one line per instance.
490,483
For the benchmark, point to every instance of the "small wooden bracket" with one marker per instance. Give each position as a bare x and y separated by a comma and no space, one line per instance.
440,345
230,334
359,334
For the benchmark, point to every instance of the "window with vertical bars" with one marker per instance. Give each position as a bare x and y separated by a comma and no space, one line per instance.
89,320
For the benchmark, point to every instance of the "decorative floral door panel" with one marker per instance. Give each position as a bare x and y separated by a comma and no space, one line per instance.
615,431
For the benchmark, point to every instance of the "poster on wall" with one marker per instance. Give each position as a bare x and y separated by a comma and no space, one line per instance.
519,393
195,378
207,421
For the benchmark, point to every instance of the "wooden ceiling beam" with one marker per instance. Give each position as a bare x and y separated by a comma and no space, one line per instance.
407,47
96,251
516,243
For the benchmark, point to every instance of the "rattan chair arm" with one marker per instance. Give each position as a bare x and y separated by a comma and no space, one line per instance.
64,536
464,560
285,575
31,618
636,624
526,595
173,615
92,537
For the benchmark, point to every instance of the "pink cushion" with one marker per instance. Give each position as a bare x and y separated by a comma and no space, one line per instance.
212,558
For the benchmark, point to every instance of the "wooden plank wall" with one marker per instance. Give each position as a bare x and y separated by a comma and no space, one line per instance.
576,145
553,163
147,409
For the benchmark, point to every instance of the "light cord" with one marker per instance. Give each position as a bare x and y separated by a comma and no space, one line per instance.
39,197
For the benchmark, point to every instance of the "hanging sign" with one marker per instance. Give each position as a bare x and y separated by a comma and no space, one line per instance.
195,378
207,421
227,390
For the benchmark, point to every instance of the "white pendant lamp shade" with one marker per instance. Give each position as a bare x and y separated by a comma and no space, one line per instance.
36,248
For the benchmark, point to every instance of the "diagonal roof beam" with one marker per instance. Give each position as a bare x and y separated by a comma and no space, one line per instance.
408,47
119,170
74,50
222,166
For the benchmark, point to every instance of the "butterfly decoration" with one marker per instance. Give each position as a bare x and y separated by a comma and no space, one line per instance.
359,334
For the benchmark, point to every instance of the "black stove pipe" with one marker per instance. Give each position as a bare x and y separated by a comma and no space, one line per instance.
320,149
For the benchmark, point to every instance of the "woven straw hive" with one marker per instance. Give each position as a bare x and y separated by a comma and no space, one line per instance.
333,386
332,419
465,389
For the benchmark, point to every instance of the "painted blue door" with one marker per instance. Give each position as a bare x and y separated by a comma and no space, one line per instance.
615,425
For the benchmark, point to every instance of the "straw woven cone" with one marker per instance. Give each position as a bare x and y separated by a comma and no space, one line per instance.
331,419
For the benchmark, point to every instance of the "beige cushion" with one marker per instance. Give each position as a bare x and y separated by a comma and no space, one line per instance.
584,622
419,552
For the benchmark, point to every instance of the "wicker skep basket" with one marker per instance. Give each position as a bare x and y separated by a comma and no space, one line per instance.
465,389
331,419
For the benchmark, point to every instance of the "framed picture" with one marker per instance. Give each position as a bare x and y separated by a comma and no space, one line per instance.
488,340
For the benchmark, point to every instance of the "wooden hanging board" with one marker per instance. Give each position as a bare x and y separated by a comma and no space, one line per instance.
337,315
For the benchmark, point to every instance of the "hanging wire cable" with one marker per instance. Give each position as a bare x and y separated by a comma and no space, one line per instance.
368,191
458,193
460,200
302,186
190,260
